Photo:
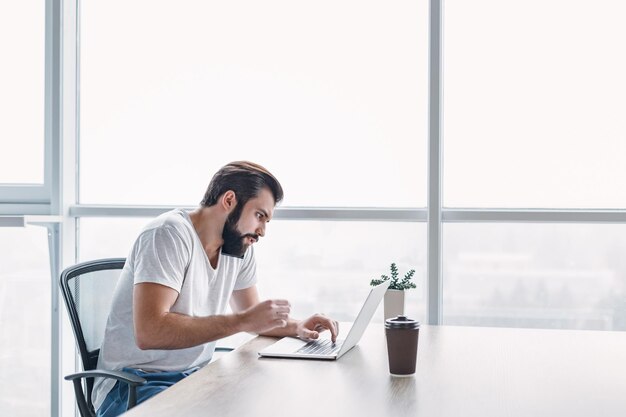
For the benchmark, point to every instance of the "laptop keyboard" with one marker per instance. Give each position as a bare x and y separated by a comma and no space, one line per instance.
320,347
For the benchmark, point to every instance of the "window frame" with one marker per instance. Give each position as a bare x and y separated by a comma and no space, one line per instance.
36,198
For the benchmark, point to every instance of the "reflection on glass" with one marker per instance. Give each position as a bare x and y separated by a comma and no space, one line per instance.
340,88
318,266
24,322
535,275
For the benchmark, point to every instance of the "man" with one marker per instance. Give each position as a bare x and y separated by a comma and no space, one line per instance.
169,305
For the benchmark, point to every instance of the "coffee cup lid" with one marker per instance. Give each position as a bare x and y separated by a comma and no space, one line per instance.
401,322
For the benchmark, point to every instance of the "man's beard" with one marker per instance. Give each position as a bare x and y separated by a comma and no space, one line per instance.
233,240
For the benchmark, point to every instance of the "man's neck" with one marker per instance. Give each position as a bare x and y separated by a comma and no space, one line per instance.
209,225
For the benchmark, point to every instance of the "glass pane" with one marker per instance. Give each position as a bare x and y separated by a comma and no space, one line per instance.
24,322
535,275
108,237
22,26
327,266
332,98
534,103
318,266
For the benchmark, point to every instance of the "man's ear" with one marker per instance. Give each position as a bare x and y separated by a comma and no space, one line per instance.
229,200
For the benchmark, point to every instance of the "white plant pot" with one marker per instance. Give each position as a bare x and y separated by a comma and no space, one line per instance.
394,303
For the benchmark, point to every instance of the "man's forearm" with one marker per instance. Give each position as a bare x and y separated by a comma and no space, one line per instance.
179,331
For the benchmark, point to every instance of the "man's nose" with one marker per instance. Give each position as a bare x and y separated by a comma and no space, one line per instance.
261,230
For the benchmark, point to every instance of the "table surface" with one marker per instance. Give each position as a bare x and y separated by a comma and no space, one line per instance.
461,371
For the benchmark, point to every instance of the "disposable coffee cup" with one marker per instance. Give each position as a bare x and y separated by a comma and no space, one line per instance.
402,335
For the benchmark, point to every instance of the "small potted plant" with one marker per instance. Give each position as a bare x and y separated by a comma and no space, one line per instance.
394,297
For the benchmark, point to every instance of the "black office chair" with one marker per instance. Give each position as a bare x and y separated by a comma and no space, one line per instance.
87,289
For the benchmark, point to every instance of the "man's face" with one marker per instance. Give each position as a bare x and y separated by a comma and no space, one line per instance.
246,225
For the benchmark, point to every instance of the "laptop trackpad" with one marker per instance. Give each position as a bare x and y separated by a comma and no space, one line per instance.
284,345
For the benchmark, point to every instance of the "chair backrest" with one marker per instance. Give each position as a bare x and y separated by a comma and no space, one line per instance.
88,289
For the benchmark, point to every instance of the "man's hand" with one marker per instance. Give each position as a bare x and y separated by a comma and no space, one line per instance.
265,316
310,328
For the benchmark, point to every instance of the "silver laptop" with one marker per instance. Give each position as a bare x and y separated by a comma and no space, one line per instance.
290,347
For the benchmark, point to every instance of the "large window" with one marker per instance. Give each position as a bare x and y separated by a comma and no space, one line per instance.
24,322
22,42
534,103
533,118
530,120
25,301
535,275
330,96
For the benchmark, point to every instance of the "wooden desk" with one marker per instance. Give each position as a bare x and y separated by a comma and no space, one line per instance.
461,371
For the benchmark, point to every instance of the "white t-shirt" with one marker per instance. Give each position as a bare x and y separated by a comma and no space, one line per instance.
169,252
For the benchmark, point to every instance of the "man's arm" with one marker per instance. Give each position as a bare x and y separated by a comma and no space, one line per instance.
308,329
156,327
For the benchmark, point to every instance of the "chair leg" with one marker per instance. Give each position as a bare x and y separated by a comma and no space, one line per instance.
84,409
132,396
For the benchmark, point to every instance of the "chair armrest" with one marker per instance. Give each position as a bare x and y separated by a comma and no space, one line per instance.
131,379
224,349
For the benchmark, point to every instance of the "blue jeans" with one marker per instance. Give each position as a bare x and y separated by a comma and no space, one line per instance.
116,400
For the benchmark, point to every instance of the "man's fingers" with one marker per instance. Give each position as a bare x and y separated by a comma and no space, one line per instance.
324,322
336,323
281,307
334,330
310,334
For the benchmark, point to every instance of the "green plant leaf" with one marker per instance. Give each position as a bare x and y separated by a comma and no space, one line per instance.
396,284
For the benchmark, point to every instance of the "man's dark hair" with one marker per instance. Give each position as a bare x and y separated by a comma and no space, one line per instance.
246,179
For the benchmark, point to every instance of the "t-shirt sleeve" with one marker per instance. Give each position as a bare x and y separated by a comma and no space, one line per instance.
161,256
247,274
